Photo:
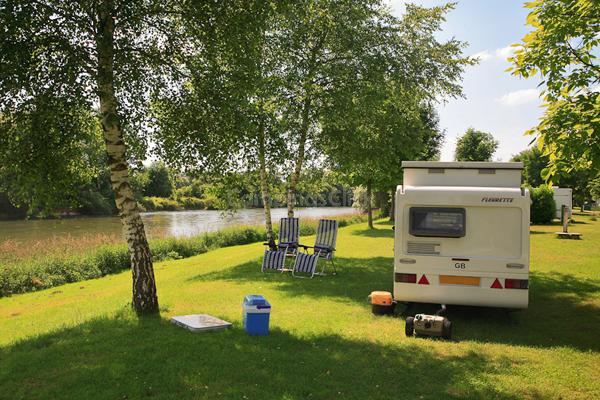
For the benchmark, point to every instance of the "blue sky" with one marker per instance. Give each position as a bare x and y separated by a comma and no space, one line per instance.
496,101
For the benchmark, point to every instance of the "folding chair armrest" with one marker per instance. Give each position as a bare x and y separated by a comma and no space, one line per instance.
305,246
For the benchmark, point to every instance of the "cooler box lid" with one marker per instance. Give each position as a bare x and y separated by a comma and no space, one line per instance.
256,300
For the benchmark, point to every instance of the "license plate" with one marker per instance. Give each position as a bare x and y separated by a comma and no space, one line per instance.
460,280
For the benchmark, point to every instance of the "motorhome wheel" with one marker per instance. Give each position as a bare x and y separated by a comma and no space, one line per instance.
409,328
447,329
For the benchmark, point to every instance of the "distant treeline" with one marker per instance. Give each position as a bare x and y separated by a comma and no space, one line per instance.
158,188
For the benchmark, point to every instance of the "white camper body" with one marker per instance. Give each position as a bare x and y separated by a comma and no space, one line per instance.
462,234
563,197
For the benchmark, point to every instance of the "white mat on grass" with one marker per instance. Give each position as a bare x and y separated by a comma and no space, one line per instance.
200,322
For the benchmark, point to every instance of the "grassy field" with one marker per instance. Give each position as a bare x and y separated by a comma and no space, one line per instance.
81,341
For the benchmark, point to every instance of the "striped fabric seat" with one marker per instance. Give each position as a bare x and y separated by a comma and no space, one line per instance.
326,237
289,230
273,260
305,264
289,233
325,243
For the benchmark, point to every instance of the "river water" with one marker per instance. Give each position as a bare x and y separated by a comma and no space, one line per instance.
158,224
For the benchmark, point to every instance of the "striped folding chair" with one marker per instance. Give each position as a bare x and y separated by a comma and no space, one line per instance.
325,243
273,260
289,235
305,265
289,232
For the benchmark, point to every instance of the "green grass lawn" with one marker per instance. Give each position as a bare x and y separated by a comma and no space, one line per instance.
81,341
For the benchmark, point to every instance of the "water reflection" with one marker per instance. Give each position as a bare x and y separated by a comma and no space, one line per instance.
158,224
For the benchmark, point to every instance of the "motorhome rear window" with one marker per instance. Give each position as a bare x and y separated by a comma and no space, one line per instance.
437,221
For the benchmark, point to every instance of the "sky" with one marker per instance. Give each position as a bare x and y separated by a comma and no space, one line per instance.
495,101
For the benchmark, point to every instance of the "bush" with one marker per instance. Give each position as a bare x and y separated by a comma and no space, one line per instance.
191,203
159,204
543,207
95,203
32,275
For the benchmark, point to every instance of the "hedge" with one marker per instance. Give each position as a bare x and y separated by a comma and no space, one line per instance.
32,275
543,207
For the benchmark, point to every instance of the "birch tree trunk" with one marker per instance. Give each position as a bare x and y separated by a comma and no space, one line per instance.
264,187
145,300
369,206
291,192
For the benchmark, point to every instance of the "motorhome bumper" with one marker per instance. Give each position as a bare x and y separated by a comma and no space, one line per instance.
482,295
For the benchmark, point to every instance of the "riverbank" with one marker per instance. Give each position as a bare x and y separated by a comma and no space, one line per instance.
64,264
67,342
159,225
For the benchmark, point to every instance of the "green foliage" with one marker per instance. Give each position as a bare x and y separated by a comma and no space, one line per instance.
193,203
384,115
563,48
160,204
48,149
475,146
360,200
594,188
9,211
37,274
578,178
543,207
159,181
95,203
138,181
534,162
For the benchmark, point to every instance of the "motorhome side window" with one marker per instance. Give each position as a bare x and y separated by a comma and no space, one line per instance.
437,221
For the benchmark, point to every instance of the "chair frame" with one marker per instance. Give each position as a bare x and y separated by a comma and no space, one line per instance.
324,250
283,243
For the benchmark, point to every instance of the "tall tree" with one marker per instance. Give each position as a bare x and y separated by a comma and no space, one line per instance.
563,48
223,117
534,163
320,41
475,145
103,53
381,114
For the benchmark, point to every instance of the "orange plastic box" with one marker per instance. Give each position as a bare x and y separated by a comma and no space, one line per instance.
382,303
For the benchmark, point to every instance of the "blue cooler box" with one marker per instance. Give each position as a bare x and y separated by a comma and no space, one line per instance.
256,315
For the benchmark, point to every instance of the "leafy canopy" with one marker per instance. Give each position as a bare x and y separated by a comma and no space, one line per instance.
382,113
563,48
475,145
534,162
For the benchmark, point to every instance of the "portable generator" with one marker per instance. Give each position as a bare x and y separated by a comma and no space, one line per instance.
382,303
428,325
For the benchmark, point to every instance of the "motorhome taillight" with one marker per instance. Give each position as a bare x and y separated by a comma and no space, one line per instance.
405,278
516,283
496,284
423,280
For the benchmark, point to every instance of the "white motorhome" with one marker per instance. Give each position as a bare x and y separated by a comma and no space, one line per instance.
563,197
462,234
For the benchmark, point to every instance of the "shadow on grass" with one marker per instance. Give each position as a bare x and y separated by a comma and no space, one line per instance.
382,229
125,359
375,233
579,222
540,233
356,278
560,313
